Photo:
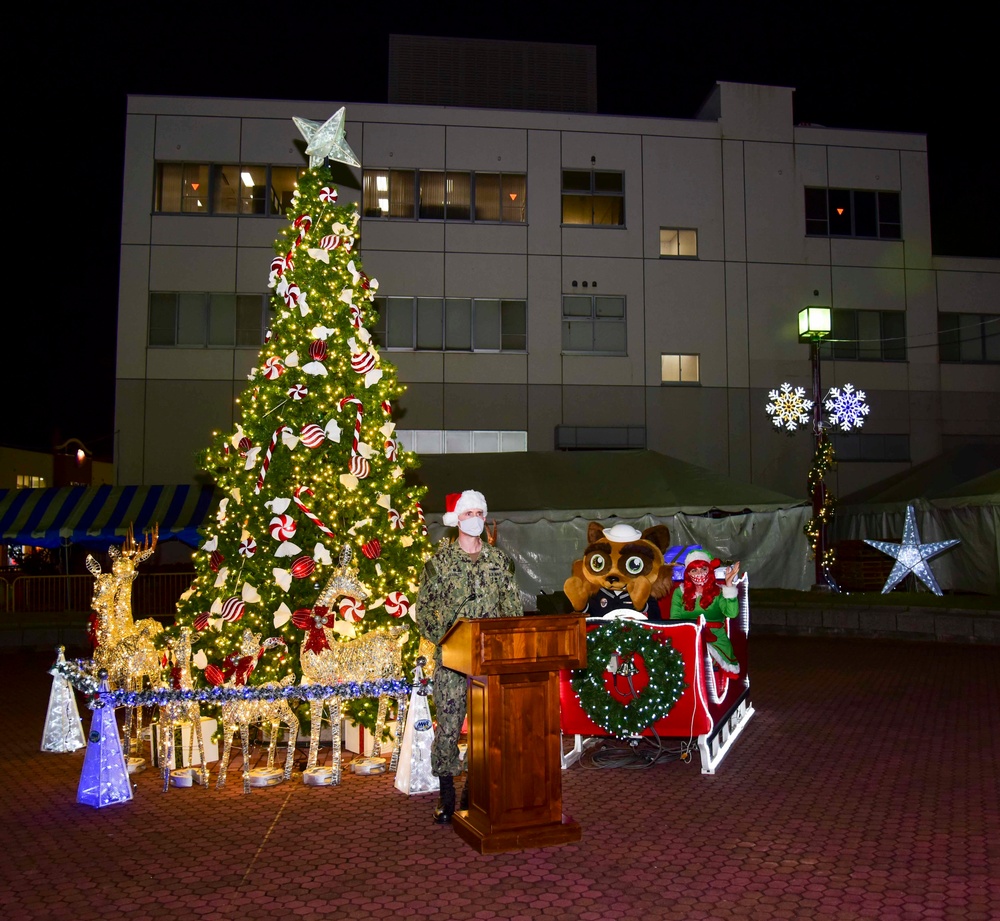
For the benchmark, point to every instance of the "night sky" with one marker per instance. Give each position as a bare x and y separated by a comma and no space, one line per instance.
853,65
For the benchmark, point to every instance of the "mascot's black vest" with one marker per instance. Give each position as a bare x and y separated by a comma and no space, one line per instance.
605,602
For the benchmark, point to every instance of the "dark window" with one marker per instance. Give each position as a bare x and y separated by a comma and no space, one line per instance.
593,324
863,446
452,324
969,337
198,320
853,213
866,335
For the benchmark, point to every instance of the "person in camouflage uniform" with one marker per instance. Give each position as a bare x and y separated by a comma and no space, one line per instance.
468,579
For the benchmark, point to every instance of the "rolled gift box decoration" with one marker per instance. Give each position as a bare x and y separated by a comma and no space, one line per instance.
233,609
303,567
352,610
397,604
282,527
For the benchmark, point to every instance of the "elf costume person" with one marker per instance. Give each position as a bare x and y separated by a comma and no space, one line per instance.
700,594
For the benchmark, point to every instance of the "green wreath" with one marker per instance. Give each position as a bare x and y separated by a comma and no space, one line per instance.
663,663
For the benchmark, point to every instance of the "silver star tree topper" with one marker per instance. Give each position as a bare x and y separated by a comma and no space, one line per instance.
326,139
911,555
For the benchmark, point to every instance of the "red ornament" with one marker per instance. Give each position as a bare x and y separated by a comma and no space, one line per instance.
233,609
245,445
372,549
303,567
216,560
312,435
214,675
317,350
201,621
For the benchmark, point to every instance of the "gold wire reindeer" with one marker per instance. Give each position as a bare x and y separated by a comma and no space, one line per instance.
125,648
175,712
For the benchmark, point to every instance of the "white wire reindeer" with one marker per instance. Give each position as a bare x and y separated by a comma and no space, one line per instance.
175,712
239,714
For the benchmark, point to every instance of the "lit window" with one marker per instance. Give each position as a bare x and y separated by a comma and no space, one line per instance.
444,196
593,197
679,369
866,335
853,213
27,481
207,188
675,241
593,324
969,337
452,324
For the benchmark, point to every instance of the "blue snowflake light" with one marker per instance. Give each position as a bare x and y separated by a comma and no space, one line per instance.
788,407
846,407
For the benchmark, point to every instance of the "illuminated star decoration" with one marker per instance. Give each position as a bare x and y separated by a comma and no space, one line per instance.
788,407
911,555
326,140
846,407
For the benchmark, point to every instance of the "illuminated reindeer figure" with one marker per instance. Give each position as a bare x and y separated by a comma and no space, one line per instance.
125,648
329,660
175,712
239,714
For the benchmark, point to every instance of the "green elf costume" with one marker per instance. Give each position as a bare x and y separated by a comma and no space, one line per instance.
701,595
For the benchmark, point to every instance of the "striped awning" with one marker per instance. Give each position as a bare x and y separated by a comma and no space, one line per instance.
102,514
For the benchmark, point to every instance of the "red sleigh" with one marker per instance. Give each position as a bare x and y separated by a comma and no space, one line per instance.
713,708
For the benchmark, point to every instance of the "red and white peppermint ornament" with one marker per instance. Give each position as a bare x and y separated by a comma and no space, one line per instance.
390,449
372,549
303,567
273,368
317,350
233,609
351,609
362,362
248,547
330,241
201,621
397,604
298,391
216,560
395,519
359,467
282,527
355,315
292,296
312,435
245,445
327,194
278,266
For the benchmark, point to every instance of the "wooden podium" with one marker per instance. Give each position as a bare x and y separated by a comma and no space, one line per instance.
515,745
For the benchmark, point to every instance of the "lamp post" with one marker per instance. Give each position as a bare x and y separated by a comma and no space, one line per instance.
814,326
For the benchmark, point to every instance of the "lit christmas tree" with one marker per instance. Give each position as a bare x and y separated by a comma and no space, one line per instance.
315,499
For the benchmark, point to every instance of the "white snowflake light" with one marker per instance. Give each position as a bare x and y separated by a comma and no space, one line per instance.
788,407
847,408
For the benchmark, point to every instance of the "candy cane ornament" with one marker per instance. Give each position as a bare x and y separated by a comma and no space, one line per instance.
300,490
358,465
267,456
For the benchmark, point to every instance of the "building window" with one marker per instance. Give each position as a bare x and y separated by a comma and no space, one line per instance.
452,324
27,481
436,195
679,369
195,320
678,242
593,197
853,213
593,324
971,337
866,335
219,188
453,441
858,446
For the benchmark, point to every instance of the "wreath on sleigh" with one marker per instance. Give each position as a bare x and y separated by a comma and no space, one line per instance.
623,641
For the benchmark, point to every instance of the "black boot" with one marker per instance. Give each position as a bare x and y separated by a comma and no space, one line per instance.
446,804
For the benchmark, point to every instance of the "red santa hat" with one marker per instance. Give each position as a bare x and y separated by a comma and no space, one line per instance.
456,503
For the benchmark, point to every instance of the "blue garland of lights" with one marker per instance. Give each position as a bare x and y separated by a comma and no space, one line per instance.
86,683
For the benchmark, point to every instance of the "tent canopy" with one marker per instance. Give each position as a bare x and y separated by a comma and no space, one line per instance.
559,485
102,514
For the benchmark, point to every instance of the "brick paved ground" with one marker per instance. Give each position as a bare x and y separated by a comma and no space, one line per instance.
864,787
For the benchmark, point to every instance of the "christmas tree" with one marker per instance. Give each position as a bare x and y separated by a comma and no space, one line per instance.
313,479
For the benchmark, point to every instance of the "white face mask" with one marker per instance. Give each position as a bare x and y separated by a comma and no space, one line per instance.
472,526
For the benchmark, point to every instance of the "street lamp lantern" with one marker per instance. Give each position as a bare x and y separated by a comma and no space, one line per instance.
814,323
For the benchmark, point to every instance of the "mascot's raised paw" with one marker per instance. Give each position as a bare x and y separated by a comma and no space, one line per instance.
622,574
